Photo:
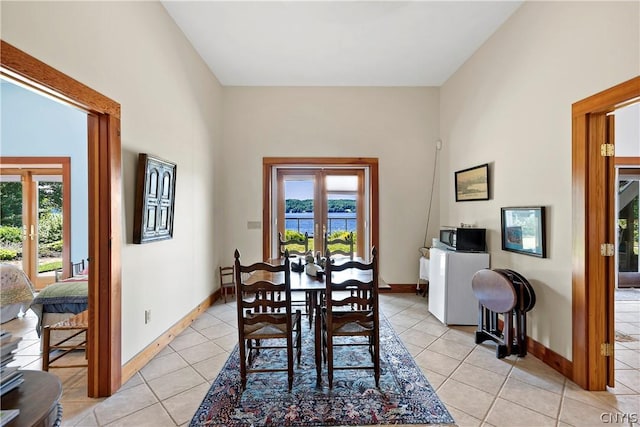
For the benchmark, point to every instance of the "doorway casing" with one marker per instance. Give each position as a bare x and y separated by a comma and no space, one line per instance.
269,163
104,164
593,213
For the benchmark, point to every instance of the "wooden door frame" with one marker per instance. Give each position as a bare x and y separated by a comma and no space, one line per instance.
268,163
105,210
591,275
65,171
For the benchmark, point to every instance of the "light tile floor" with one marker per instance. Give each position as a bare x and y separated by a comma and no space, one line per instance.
477,388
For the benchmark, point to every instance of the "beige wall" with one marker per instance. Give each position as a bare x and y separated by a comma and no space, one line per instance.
510,105
171,107
397,125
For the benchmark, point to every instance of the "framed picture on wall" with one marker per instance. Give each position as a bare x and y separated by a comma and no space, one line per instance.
472,183
523,230
155,199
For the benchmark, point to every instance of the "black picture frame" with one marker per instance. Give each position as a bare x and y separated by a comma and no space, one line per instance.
523,230
155,199
472,183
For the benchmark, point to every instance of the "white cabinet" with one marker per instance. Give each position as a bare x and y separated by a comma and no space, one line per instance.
451,298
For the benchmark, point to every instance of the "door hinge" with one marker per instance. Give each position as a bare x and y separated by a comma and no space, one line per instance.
607,249
607,150
606,349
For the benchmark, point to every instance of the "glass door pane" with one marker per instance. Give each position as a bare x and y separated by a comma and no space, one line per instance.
341,195
298,211
49,220
628,220
32,223
11,220
316,201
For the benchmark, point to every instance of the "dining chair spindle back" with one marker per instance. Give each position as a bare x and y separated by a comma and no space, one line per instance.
351,310
295,246
266,322
337,245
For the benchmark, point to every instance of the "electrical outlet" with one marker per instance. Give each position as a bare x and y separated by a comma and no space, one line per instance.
147,316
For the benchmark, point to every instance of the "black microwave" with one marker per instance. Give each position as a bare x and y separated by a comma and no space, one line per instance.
464,239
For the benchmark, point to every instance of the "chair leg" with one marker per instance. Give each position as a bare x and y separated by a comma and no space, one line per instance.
290,360
330,360
243,364
309,307
376,360
299,339
319,348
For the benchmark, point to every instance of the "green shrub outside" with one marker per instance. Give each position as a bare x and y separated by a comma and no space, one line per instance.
10,234
55,246
8,254
49,230
50,227
292,234
52,249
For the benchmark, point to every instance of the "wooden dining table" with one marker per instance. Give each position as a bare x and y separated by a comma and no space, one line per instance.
313,286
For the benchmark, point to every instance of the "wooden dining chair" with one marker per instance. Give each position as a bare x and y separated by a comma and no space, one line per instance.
227,281
300,247
351,310
295,246
339,245
264,321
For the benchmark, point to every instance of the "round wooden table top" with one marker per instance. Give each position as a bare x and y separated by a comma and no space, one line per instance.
494,290
37,398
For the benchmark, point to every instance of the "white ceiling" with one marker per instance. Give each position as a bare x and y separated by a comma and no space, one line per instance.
337,43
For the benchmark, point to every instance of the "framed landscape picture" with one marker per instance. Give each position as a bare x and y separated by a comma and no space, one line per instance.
155,199
472,183
523,230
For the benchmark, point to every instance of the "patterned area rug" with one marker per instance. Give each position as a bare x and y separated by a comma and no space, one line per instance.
404,397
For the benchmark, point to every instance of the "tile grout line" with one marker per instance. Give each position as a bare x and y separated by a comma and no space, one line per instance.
561,405
497,395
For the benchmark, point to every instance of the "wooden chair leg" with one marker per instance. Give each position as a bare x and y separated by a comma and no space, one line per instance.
330,360
46,337
243,364
376,361
290,360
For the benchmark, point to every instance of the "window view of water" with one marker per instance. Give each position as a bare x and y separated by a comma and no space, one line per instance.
303,222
